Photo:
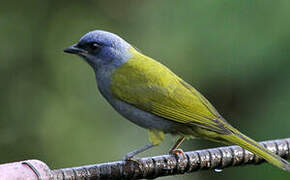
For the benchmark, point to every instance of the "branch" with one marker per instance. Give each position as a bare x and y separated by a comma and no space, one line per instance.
166,165
150,167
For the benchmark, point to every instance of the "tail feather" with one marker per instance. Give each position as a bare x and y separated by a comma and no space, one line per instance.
254,147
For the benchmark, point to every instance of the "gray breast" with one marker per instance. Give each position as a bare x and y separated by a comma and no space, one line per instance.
130,112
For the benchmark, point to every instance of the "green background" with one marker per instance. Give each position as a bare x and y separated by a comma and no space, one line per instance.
235,52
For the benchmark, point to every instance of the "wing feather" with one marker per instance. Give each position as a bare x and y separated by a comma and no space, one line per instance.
150,86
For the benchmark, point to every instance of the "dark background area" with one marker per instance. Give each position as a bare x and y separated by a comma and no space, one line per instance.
235,52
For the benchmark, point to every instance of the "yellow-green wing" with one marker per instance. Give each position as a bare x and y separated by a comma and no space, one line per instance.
150,86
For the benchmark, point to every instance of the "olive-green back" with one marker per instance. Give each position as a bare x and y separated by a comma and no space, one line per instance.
150,86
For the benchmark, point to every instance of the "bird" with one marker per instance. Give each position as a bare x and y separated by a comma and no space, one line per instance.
149,94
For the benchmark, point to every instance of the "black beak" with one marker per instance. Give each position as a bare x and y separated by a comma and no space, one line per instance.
74,50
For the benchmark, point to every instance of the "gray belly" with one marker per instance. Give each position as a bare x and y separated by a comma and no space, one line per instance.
140,117
136,115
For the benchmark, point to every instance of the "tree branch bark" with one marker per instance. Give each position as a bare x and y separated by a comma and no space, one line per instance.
166,165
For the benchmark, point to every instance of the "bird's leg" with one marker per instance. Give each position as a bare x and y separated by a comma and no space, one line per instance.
155,136
175,151
130,155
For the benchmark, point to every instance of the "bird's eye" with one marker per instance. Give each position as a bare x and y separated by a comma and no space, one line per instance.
94,46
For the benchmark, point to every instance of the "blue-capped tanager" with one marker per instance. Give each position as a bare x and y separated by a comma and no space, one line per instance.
150,95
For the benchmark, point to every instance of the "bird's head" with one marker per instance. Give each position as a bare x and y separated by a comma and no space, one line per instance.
101,48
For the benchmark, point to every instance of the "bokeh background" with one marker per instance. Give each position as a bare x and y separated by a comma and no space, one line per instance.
237,53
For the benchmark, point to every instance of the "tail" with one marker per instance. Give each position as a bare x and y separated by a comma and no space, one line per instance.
254,147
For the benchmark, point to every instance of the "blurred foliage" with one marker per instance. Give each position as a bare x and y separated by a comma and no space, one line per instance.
235,52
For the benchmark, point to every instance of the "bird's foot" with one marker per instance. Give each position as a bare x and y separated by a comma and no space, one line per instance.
129,156
178,152
180,157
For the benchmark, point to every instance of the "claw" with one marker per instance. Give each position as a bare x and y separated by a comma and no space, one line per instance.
128,157
178,152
